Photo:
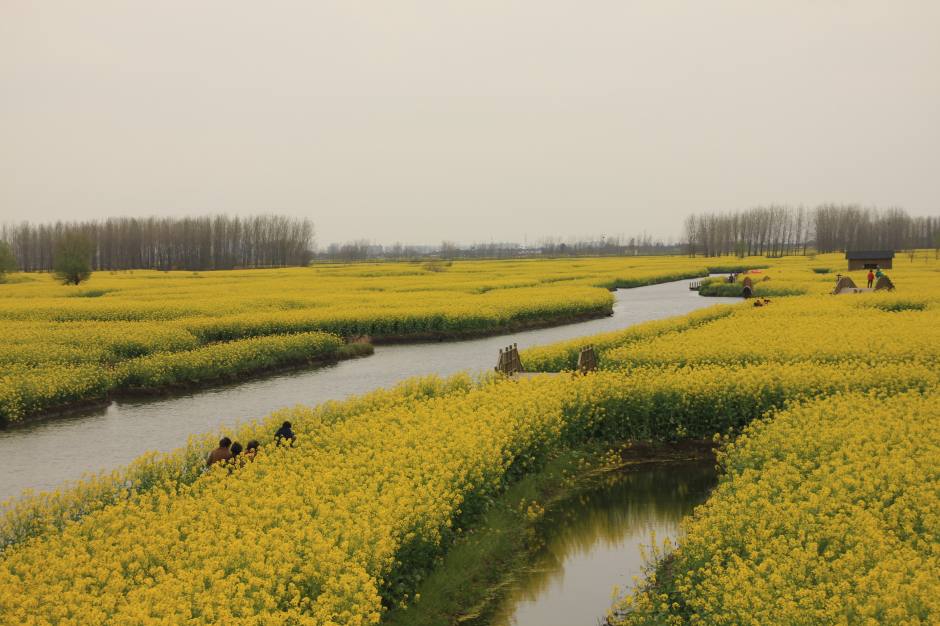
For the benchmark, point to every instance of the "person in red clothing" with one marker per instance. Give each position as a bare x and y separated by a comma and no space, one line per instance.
871,278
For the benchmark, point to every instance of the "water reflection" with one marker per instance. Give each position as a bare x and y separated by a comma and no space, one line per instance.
594,544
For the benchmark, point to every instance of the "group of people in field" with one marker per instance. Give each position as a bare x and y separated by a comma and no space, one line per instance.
873,275
233,453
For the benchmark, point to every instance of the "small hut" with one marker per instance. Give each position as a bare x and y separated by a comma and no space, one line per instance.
869,259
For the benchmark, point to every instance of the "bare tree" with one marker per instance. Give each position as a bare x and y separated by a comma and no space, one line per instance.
780,230
691,232
7,260
198,243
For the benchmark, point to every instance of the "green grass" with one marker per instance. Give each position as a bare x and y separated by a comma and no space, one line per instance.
470,581
737,269
720,287
467,582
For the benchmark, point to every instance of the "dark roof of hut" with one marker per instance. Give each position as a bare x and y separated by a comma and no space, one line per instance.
869,254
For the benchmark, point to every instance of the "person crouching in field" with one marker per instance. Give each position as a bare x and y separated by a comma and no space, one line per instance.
871,278
284,434
222,453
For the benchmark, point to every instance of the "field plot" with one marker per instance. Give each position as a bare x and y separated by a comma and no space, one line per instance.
151,330
823,515
841,428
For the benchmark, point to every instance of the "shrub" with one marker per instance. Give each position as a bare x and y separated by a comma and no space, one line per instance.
72,260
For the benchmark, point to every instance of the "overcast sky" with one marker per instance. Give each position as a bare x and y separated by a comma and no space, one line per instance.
471,121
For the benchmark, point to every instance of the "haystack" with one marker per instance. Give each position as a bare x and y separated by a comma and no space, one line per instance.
748,290
844,283
884,283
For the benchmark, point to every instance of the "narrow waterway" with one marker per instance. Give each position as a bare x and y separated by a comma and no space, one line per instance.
596,542
41,455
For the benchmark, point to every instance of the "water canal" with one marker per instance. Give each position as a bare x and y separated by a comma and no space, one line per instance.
41,455
595,542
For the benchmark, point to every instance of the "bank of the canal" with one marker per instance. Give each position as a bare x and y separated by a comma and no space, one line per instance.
549,550
41,455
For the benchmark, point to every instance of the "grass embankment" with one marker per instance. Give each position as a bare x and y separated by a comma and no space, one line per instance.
35,392
717,288
470,581
720,287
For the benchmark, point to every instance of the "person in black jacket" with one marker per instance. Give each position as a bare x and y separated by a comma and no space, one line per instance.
284,434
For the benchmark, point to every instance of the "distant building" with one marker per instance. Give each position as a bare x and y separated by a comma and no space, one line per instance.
869,259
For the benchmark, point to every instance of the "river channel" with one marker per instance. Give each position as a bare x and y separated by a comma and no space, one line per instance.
596,542
41,455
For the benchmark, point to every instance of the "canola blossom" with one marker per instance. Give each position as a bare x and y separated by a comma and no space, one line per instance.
813,328
826,513
61,345
325,531
830,496
29,390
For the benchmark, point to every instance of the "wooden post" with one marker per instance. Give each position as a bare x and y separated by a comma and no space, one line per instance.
587,360
509,361
501,362
516,360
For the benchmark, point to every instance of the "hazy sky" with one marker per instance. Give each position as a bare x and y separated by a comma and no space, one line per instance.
474,120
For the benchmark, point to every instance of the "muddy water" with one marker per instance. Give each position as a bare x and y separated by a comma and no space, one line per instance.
41,455
597,540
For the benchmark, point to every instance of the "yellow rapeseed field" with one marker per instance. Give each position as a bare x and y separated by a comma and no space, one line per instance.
321,533
64,344
826,512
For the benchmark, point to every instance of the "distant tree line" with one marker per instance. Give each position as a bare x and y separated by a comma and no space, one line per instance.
7,260
778,230
616,245
363,249
853,227
223,242
198,243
